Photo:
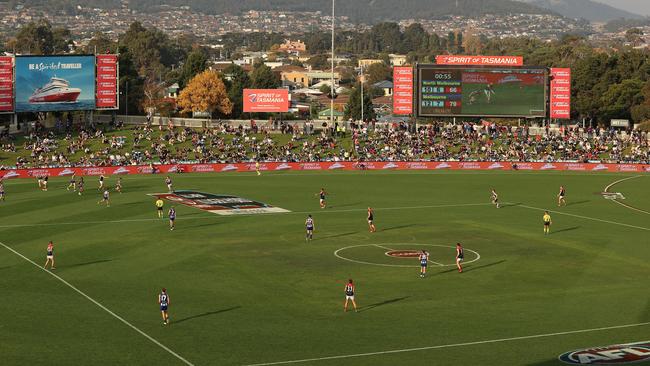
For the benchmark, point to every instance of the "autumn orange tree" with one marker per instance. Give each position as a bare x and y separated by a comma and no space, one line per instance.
205,92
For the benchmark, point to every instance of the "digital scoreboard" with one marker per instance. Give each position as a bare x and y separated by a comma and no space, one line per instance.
479,91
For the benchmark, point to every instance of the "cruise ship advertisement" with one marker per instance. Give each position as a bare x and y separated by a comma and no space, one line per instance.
55,83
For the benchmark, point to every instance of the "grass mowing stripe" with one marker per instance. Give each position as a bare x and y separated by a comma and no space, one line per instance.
534,336
584,217
621,203
101,306
213,216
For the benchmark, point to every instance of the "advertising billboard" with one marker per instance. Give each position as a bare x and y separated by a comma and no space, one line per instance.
402,90
561,93
475,91
55,83
266,100
6,84
480,60
107,74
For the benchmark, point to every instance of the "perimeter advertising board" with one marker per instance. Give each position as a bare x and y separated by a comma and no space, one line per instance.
266,100
403,90
6,84
55,83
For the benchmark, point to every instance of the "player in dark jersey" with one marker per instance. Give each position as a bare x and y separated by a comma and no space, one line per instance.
460,256
172,218
163,301
101,182
309,225
371,218
73,183
424,259
2,191
50,255
105,198
561,197
81,185
168,182
495,198
321,196
349,296
118,185
45,178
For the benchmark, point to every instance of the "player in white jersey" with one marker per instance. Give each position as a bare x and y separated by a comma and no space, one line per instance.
424,261
309,225
163,301
495,198
105,198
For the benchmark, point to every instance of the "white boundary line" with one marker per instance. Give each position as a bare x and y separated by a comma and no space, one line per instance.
452,345
262,214
585,217
337,255
621,203
101,307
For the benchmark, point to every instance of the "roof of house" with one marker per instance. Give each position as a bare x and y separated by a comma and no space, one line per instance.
384,84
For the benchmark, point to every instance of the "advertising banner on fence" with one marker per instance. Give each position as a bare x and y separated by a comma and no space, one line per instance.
561,93
266,100
107,81
480,60
325,166
402,90
6,84
55,83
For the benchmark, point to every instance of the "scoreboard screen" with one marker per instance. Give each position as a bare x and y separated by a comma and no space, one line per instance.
481,91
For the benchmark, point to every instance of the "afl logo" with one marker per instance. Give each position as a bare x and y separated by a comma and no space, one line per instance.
609,355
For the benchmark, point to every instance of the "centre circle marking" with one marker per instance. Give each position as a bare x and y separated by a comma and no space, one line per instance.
381,246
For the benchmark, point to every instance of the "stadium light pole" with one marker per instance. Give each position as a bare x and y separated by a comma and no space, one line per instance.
362,79
332,88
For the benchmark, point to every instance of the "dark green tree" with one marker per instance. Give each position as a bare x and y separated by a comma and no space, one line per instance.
263,78
353,108
197,62
236,80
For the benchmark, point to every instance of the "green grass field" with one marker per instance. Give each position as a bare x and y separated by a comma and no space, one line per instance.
249,290
509,99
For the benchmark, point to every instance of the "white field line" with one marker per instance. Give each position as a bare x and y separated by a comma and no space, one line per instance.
621,203
452,345
153,340
586,217
270,213
383,247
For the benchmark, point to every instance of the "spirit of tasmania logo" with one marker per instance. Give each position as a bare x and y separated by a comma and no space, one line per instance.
609,355
219,204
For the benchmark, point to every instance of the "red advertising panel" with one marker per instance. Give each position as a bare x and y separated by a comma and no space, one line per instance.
324,166
403,90
560,93
480,60
6,84
107,82
266,100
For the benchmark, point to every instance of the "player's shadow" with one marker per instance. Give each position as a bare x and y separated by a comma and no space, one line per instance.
398,227
565,230
89,263
345,205
510,204
378,304
474,268
577,202
209,313
337,235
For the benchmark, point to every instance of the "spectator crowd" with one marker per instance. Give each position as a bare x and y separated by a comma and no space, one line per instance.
225,143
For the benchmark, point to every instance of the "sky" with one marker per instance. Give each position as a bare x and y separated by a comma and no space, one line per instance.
641,7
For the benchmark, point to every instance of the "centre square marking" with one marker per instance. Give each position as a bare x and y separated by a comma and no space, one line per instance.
220,204
389,247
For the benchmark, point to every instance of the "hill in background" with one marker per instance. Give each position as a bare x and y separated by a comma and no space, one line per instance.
585,9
